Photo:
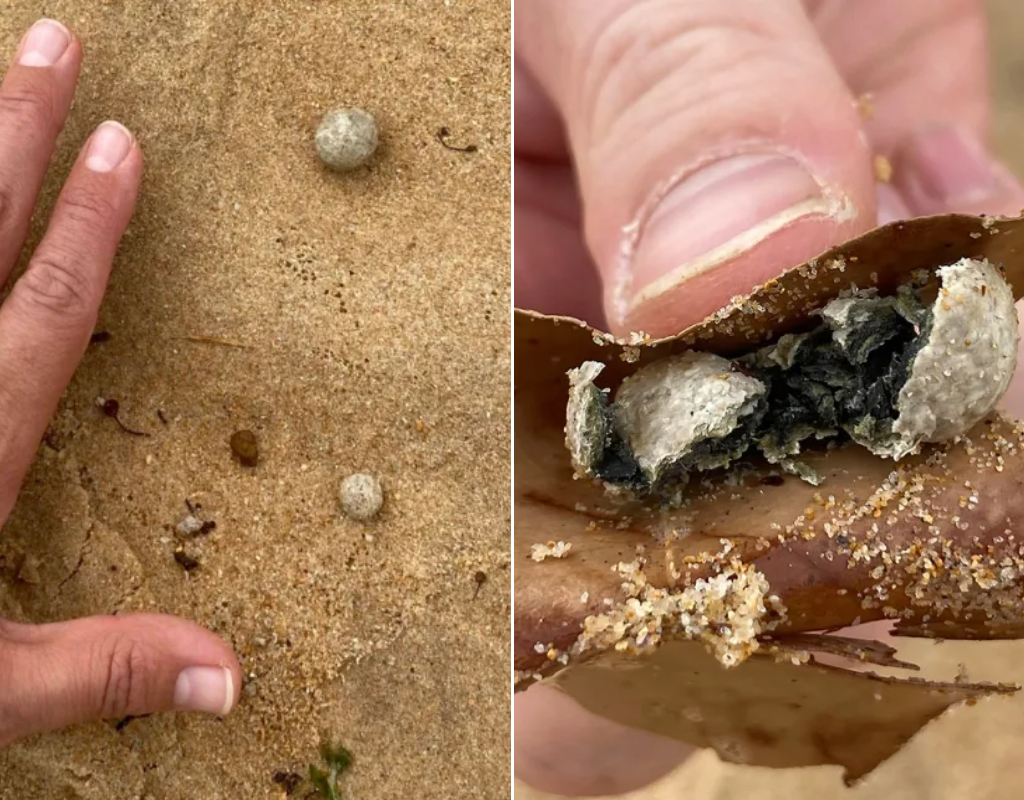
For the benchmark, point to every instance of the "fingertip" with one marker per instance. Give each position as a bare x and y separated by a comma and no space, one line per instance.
192,668
44,45
217,673
947,169
108,147
232,694
172,644
204,688
236,678
685,296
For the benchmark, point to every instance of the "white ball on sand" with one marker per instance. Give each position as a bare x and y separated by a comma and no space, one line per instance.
361,496
346,138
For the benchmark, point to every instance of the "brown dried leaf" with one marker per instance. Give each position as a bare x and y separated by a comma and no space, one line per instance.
765,712
941,558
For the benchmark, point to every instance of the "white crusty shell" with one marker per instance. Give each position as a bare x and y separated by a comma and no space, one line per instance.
965,367
662,410
586,426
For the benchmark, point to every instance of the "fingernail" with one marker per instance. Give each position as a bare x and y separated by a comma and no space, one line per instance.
715,214
108,147
44,44
890,205
209,689
951,168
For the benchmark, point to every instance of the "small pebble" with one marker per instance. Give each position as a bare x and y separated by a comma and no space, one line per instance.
189,525
361,496
346,138
245,448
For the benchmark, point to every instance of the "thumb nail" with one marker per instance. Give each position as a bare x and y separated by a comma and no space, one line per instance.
209,689
950,169
712,216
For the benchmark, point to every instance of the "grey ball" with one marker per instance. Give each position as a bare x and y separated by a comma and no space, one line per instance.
346,138
361,496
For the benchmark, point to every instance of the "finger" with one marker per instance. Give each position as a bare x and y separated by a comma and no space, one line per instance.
563,749
946,169
933,122
35,98
715,146
46,321
539,133
898,53
108,667
553,270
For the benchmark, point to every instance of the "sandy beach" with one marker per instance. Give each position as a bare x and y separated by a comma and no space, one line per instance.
356,323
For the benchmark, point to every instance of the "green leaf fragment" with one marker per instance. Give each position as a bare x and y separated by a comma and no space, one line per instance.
323,785
338,758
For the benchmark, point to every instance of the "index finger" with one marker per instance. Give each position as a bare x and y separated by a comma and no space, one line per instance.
46,322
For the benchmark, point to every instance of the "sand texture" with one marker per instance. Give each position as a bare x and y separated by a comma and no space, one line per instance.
969,752
371,310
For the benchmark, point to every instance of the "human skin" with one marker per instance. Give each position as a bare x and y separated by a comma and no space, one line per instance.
57,674
671,154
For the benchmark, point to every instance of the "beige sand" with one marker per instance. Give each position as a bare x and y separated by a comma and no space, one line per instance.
971,752
374,310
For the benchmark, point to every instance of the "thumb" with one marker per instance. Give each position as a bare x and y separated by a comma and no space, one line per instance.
110,666
715,146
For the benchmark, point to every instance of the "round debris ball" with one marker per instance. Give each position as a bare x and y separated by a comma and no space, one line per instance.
361,496
346,138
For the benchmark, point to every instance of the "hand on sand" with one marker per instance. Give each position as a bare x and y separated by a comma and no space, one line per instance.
99,667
